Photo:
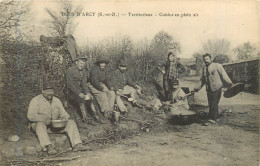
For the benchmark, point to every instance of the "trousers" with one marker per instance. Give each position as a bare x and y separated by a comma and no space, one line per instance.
213,101
169,86
105,99
126,91
70,129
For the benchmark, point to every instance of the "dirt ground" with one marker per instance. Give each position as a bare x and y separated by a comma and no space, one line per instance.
233,140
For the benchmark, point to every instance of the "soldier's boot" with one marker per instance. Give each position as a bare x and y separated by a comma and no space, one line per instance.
95,114
84,114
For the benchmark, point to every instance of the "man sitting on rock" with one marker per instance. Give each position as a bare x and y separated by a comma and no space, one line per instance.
42,110
100,87
76,78
123,85
180,99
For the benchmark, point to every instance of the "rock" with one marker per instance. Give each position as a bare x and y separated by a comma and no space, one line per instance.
64,138
30,150
61,140
58,140
13,138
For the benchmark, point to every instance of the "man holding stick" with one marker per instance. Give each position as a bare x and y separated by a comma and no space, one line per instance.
213,76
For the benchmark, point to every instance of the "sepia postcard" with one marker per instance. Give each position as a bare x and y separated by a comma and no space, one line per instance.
122,82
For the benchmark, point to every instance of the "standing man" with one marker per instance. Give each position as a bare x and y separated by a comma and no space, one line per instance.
123,85
100,87
76,78
171,76
213,75
42,110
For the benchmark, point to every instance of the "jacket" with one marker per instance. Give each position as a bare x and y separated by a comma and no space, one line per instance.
77,80
180,69
217,75
121,79
40,109
98,76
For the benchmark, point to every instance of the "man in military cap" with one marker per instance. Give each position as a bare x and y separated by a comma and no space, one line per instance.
100,86
42,110
76,78
123,85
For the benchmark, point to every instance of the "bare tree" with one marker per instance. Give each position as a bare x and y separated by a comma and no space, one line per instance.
245,51
61,19
12,15
162,43
216,47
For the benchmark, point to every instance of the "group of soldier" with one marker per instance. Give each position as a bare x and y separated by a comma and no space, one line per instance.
102,86
108,89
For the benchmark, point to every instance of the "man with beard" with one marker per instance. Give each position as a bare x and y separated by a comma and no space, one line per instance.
213,75
42,110
100,87
123,85
76,78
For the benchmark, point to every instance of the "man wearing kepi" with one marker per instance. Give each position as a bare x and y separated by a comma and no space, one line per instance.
213,75
100,86
45,108
76,78
123,85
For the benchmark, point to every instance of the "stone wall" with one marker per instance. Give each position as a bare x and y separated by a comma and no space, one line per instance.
246,72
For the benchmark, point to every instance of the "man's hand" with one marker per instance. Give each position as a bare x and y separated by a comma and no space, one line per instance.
82,95
230,84
90,95
64,119
139,89
119,92
195,90
47,120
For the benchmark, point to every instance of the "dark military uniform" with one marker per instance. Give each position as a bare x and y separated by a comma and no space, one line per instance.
76,83
120,79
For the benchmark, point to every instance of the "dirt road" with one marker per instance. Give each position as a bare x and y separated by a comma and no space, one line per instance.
234,140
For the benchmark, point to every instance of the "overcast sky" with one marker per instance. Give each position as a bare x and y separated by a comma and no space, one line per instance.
236,21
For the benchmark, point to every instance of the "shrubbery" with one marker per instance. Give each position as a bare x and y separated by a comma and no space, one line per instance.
26,64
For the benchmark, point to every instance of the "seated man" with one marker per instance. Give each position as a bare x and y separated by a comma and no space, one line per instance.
123,85
100,87
180,99
42,110
76,78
